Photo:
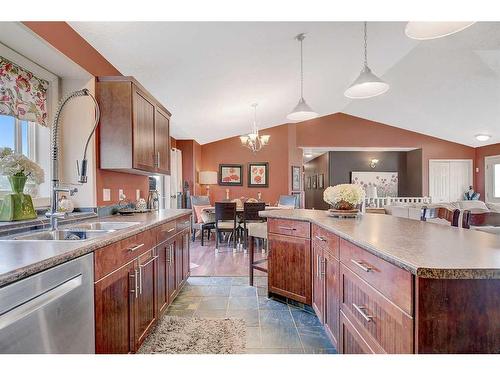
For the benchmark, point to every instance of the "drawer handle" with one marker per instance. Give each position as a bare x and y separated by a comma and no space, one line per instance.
170,230
287,228
186,222
362,266
135,247
321,238
360,310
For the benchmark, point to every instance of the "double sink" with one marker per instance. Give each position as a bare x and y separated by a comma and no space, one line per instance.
77,232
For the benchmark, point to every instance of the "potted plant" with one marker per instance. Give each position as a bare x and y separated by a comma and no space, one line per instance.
18,169
344,199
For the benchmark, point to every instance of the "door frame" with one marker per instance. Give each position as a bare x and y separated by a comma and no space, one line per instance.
487,182
470,161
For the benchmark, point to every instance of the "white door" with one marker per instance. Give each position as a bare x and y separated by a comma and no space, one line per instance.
439,180
492,179
449,179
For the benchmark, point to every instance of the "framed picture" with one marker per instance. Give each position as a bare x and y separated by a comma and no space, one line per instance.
231,174
295,178
308,182
315,181
321,181
380,184
258,174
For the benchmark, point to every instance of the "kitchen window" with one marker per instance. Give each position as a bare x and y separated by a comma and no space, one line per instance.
19,135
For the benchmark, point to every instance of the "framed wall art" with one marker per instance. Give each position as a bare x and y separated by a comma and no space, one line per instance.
295,178
258,174
231,174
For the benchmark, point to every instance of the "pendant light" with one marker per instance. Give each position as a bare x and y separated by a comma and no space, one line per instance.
434,30
367,85
302,111
253,140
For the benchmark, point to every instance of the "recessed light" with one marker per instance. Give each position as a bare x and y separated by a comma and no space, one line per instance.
483,137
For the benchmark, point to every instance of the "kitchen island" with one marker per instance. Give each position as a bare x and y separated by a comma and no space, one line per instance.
382,284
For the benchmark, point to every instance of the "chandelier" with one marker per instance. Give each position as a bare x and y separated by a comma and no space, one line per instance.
253,140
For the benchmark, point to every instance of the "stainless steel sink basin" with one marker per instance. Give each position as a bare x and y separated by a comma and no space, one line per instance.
103,225
62,235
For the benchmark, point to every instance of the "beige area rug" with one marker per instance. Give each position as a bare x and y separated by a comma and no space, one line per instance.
178,335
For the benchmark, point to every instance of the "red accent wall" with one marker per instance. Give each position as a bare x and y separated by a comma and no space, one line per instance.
481,153
343,130
191,163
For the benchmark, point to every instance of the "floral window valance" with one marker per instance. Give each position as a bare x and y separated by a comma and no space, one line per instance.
22,94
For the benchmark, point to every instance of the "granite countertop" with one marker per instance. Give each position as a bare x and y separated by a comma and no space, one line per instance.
425,249
19,259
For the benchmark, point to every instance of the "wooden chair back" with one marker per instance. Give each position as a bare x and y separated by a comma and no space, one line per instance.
480,219
441,213
225,211
251,211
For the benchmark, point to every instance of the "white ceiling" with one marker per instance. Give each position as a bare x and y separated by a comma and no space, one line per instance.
208,74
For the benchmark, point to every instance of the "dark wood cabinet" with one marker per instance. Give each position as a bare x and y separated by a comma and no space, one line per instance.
115,308
137,278
289,264
351,341
134,129
146,300
332,298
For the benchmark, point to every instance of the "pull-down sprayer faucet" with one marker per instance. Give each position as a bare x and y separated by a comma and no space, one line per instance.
81,167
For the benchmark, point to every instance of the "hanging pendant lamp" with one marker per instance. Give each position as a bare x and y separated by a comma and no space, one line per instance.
367,85
434,30
302,110
253,140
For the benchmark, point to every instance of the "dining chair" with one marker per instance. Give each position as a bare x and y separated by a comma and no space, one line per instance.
225,221
288,200
482,220
251,218
440,213
200,200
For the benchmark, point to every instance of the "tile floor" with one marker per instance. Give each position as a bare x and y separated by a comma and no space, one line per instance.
272,326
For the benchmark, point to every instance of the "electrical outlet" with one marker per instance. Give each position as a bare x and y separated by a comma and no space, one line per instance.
120,194
137,194
106,195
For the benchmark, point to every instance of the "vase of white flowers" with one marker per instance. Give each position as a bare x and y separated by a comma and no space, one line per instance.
18,169
344,198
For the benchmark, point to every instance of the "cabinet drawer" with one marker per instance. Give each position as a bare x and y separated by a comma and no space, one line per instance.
289,227
327,240
112,257
394,282
351,341
383,325
166,231
183,223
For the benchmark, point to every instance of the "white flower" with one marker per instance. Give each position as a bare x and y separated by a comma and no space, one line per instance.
349,193
14,164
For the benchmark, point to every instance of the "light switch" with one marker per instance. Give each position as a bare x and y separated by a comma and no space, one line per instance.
137,194
106,195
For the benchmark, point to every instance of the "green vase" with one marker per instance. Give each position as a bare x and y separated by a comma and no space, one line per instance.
17,205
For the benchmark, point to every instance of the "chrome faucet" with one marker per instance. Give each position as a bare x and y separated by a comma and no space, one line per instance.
54,215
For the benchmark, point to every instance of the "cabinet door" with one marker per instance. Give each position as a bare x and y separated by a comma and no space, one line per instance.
318,282
143,132
162,289
162,142
146,310
115,301
171,284
332,297
185,255
351,341
289,265
178,261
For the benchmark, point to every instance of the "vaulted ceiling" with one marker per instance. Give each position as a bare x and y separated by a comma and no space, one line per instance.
208,74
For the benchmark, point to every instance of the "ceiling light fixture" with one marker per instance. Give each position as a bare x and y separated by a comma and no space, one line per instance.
308,155
373,163
253,140
434,30
302,111
482,137
367,85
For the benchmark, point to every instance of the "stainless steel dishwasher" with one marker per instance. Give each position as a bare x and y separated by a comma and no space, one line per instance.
50,312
